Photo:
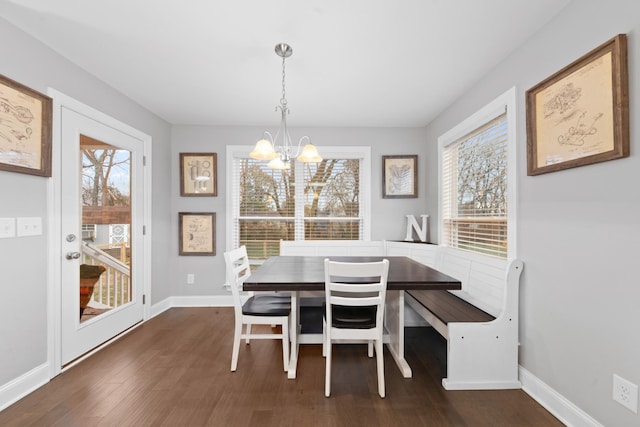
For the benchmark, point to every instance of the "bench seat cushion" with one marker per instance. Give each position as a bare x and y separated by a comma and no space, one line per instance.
447,307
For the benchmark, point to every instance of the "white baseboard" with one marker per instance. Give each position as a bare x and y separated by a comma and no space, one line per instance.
202,301
160,307
18,388
554,402
191,301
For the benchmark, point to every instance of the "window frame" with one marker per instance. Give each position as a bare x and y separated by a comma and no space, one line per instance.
363,153
503,103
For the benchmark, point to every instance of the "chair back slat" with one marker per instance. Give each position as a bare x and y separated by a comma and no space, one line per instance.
237,271
364,301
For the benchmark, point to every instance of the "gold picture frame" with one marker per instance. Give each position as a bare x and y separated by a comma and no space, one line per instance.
197,234
580,115
400,176
198,174
25,129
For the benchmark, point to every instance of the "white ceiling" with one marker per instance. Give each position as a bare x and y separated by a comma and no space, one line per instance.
354,63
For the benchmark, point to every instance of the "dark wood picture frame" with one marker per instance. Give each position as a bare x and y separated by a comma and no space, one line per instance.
580,115
25,129
197,233
400,176
198,174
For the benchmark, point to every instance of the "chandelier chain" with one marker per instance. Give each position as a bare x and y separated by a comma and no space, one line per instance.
283,101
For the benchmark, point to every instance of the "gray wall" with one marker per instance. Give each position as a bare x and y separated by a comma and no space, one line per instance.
23,261
578,229
388,220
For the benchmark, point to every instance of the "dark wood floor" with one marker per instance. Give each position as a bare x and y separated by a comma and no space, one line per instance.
174,371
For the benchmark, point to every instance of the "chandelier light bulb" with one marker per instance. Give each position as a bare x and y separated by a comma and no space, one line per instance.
263,151
310,154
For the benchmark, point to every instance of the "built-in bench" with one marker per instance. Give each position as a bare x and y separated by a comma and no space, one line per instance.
480,322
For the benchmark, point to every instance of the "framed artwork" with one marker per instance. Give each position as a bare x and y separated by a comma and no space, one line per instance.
197,233
25,129
198,174
580,115
399,176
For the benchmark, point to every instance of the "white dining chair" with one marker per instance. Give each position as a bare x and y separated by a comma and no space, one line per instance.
262,309
354,310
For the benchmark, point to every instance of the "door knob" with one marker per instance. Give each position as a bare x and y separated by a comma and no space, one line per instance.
72,255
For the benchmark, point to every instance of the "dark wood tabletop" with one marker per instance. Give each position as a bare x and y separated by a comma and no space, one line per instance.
297,273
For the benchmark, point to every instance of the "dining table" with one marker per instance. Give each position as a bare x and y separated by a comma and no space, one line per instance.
303,278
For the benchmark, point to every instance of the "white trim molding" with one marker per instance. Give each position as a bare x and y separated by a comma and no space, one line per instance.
191,301
554,402
18,388
202,301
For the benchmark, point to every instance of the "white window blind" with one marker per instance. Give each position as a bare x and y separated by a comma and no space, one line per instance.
311,201
264,205
474,190
331,197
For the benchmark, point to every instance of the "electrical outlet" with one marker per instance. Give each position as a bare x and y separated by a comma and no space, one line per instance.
191,279
625,393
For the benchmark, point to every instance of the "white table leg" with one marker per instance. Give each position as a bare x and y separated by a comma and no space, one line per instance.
294,328
394,322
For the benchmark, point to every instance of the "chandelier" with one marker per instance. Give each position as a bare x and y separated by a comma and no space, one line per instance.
279,149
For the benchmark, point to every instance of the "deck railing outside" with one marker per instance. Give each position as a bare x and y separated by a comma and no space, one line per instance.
114,286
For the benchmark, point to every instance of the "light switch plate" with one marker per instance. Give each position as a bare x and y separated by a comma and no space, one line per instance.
7,227
29,226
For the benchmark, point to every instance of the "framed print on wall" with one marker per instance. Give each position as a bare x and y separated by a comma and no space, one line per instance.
25,129
197,233
580,115
198,174
399,176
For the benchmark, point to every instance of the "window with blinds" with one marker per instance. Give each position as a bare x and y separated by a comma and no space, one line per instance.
265,205
310,201
474,190
332,200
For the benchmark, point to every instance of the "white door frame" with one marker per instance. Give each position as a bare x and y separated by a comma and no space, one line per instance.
54,213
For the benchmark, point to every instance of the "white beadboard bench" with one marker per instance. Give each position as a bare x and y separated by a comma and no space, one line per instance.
479,322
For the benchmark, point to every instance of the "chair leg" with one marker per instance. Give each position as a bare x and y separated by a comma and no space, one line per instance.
237,337
247,333
380,363
324,339
370,348
327,373
285,344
